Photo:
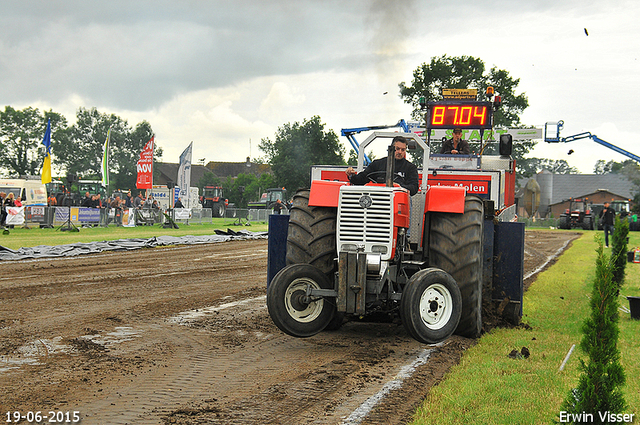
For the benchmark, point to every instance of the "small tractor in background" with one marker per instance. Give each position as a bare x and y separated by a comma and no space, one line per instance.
213,197
448,259
269,198
578,215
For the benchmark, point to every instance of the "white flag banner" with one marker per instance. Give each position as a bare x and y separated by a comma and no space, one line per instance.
184,174
15,216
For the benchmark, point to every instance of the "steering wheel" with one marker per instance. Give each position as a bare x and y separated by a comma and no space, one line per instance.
380,176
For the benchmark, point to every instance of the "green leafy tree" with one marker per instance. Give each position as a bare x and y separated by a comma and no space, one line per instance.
82,153
247,188
353,157
463,72
619,250
599,386
630,169
446,72
208,179
532,166
297,147
21,133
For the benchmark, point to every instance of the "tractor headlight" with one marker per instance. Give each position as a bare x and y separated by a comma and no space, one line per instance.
379,249
349,247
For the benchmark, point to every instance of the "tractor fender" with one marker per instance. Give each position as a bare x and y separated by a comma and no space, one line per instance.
445,199
325,193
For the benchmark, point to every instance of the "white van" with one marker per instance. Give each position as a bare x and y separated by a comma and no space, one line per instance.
32,192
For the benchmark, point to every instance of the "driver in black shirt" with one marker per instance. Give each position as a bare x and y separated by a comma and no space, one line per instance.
405,173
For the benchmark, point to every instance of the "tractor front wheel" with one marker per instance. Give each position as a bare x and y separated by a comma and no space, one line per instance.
291,309
431,306
218,210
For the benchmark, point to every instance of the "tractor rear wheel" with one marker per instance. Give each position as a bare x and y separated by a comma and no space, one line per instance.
312,240
455,246
431,306
290,308
312,234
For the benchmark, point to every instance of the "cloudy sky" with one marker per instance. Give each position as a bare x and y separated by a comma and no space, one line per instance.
226,74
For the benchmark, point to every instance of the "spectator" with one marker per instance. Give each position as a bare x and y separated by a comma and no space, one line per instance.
18,201
128,202
178,204
137,201
608,217
87,200
10,200
116,204
148,202
3,213
278,206
52,201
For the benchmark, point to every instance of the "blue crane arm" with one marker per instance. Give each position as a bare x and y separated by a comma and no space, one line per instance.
555,138
349,134
596,139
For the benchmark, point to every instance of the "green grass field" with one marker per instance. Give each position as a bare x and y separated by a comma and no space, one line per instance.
20,237
488,387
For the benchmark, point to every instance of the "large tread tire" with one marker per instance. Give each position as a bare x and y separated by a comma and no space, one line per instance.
587,223
312,240
287,305
563,222
455,246
431,306
312,234
218,210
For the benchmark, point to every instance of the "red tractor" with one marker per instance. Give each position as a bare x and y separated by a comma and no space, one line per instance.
437,259
578,215
213,198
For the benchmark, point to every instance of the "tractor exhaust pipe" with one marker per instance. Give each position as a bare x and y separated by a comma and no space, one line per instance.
391,152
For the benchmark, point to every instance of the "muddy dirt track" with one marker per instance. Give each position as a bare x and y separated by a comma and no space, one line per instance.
182,335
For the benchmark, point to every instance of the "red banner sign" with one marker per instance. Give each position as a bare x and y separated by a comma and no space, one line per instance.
145,167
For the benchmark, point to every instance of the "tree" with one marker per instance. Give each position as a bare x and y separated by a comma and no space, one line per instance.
208,179
531,166
463,72
82,153
447,72
299,146
630,169
247,188
599,386
619,251
21,133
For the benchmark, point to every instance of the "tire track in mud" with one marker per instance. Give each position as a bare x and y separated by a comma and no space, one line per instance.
226,363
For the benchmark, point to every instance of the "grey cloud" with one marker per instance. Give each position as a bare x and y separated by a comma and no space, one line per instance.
134,55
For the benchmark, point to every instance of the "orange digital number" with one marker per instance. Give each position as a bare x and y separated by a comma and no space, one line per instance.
455,113
482,115
465,116
438,115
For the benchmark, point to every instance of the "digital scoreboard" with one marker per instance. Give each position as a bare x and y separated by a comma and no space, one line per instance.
462,114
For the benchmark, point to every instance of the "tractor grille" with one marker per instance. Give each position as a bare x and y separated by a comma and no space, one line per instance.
365,218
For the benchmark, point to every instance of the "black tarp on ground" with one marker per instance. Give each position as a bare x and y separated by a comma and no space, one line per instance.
70,250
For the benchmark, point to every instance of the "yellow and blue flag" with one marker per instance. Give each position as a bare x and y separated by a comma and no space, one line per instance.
46,166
